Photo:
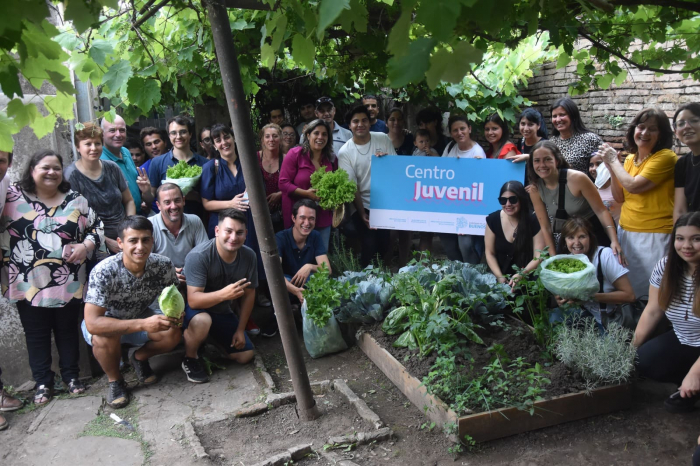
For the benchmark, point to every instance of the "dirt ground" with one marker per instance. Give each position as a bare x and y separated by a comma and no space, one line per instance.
643,435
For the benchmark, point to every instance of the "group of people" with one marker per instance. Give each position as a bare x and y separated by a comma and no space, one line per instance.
109,232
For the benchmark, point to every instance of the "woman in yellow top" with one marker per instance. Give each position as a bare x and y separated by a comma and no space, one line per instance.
644,187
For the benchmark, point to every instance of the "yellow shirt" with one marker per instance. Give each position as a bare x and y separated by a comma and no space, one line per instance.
650,211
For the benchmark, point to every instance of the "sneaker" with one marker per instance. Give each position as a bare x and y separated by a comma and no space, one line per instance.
9,403
194,370
676,404
264,301
143,370
117,394
269,332
252,329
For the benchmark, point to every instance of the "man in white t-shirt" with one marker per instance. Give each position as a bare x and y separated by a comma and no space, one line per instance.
355,157
7,402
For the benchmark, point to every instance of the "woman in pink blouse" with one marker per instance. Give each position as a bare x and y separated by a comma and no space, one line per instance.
298,166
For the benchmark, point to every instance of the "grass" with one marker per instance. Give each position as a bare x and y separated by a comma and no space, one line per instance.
104,426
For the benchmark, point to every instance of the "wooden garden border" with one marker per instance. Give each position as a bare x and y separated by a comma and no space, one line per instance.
499,423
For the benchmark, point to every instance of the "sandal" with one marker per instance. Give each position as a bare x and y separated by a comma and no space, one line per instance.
43,395
76,387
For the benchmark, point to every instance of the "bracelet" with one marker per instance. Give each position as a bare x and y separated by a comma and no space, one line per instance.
609,226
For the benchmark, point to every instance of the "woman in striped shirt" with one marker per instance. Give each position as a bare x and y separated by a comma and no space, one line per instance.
674,356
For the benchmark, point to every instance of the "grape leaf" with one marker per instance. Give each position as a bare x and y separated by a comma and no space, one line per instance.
7,128
328,12
83,14
23,114
439,17
144,93
99,49
60,104
303,51
43,125
9,81
412,66
117,75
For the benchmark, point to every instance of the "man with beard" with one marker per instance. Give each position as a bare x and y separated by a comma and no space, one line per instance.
175,233
221,279
372,103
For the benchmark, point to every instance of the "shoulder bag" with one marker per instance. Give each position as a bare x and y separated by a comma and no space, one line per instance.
626,314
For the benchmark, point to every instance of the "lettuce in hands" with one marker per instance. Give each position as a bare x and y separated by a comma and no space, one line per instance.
171,302
333,188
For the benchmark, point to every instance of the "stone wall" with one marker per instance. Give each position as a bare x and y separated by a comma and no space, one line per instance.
641,89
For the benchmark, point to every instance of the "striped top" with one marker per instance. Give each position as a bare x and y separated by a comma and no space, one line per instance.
680,311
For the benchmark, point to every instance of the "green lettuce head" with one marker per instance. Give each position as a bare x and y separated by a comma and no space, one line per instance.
171,302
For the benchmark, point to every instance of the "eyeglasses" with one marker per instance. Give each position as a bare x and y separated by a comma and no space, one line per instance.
206,140
680,124
512,199
182,132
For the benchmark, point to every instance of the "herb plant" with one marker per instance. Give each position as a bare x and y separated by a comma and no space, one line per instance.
323,294
333,188
600,359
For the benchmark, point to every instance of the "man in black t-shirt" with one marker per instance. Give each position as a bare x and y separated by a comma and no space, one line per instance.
222,275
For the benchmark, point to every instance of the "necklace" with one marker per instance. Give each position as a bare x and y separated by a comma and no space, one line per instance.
692,158
639,163
515,227
368,149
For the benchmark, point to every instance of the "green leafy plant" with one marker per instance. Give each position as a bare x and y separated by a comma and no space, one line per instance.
600,359
566,266
333,188
531,298
616,121
171,302
183,170
323,294
342,257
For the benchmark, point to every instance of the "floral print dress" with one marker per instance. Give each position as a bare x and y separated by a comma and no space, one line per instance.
32,240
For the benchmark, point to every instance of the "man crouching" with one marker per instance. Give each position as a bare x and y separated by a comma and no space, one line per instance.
222,275
120,290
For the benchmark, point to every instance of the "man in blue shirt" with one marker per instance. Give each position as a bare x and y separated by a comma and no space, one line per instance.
378,126
301,248
114,137
180,133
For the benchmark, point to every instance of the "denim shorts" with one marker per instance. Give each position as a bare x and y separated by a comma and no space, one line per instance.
133,339
223,326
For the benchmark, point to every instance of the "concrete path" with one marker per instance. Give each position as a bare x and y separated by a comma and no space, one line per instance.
52,435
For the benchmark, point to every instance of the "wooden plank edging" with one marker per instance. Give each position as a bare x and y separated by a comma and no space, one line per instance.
504,422
434,408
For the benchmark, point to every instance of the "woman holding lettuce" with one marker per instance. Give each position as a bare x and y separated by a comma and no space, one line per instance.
297,167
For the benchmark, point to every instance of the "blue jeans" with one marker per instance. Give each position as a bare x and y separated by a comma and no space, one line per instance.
325,236
131,339
463,248
223,327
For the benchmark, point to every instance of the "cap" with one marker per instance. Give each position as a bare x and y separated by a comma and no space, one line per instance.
324,100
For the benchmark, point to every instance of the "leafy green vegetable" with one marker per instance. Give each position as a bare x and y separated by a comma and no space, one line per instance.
183,170
171,302
333,188
323,294
566,266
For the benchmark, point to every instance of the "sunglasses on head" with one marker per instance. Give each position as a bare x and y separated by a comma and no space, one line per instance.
512,199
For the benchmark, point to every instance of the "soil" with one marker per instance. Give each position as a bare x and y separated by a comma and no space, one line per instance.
519,344
643,435
251,440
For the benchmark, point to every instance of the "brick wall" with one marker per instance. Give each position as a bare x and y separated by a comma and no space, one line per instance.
641,89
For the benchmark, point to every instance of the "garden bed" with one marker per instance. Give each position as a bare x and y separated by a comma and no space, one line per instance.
481,427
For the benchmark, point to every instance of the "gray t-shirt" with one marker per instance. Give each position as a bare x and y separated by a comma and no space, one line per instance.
125,296
191,234
104,194
204,268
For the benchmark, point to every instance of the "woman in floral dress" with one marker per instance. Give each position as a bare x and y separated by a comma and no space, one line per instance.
48,232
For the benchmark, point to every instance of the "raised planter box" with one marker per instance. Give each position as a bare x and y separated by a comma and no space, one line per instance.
502,422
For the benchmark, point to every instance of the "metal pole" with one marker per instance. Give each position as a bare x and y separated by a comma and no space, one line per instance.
240,116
